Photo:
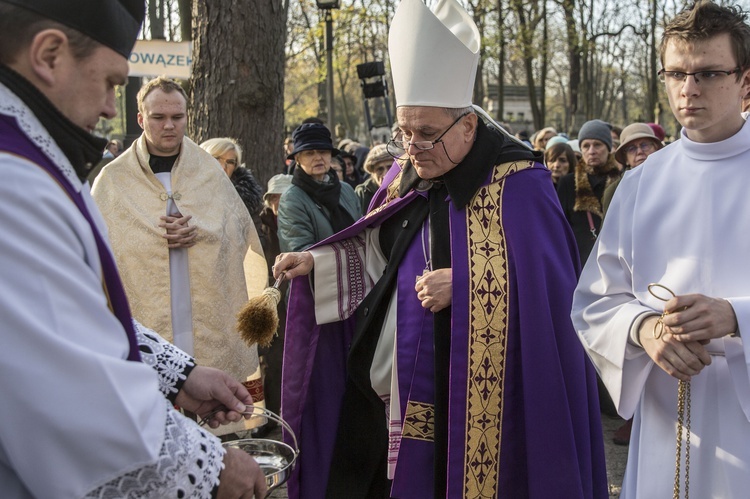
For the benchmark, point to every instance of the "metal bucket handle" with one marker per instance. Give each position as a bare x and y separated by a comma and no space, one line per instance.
260,412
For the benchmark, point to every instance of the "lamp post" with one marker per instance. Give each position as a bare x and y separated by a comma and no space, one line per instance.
327,6
374,85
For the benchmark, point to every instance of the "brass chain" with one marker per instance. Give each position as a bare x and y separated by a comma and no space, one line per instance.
687,439
683,420
663,293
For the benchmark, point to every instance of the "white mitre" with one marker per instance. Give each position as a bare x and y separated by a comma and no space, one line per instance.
434,54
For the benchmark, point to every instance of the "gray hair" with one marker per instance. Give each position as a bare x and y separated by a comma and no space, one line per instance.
222,145
456,112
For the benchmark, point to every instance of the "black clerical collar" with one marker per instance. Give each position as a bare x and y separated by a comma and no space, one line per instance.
490,148
162,164
82,149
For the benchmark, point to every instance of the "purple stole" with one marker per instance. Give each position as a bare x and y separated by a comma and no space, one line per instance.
523,411
305,353
14,141
416,372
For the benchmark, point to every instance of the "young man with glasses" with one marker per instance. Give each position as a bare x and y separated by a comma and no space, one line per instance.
431,354
665,296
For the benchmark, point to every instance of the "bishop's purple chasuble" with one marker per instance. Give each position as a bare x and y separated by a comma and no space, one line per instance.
523,414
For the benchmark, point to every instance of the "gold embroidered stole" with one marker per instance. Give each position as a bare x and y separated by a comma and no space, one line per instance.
488,333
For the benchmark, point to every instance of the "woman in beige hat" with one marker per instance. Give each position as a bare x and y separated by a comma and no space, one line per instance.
637,142
377,164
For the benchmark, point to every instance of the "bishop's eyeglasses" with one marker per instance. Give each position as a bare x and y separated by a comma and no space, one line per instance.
397,147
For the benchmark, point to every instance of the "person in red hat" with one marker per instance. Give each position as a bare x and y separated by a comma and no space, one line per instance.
658,131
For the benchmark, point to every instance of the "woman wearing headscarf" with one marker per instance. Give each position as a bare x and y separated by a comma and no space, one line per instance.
317,205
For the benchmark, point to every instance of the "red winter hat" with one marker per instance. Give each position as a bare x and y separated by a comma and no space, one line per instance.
658,131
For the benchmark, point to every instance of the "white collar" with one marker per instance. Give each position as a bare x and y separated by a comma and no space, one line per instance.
712,151
12,105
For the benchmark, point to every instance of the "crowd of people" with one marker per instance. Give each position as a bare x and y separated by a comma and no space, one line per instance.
460,305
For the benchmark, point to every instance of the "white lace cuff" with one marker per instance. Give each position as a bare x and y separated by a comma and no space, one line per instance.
189,463
172,364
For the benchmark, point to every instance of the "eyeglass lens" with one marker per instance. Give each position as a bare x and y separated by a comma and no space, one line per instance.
400,146
706,77
643,146
228,162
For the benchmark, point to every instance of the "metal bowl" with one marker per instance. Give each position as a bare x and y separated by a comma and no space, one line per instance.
276,459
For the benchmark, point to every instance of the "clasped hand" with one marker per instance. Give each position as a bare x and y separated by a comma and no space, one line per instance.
690,322
179,234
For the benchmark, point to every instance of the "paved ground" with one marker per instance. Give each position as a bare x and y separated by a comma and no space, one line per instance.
616,455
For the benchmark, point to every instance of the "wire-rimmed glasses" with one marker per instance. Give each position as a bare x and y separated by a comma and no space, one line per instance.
705,77
397,147
647,146
226,162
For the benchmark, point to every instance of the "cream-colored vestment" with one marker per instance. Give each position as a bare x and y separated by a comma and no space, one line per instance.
225,266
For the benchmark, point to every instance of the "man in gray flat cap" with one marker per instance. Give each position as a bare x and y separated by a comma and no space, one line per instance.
88,393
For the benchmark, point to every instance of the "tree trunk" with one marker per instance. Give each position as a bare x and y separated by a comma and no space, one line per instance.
545,65
479,94
574,61
653,89
238,79
501,64
527,49
586,88
156,19
186,19
624,103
